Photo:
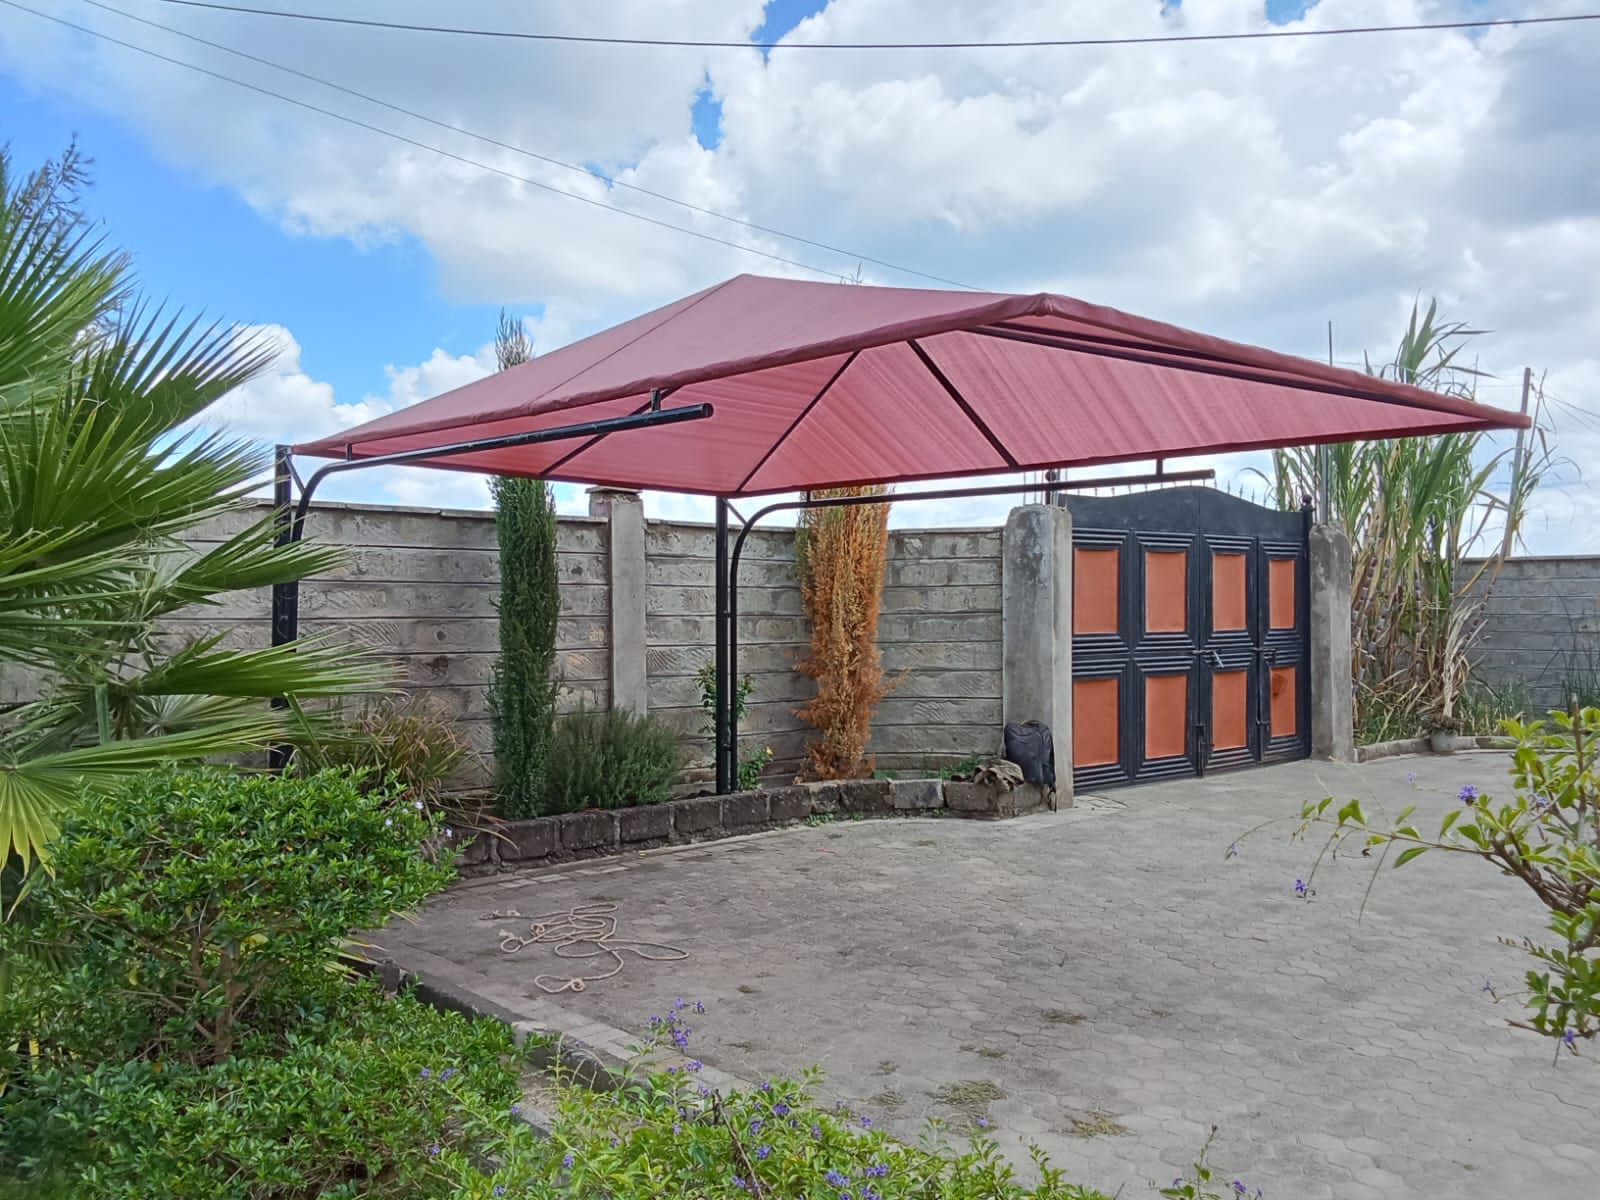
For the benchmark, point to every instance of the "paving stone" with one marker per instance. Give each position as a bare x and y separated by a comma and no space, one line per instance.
586,830
522,840
1110,960
744,810
651,823
699,815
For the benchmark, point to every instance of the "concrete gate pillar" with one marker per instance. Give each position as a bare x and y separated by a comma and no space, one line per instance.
1036,627
1332,686
625,561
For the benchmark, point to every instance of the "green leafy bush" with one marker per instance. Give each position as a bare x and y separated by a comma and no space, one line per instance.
409,743
382,1098
612,759
190,913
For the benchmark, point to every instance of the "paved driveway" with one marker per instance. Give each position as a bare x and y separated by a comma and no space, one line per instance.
1102,982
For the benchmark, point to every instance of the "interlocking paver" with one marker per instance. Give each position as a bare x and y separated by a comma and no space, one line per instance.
1110,962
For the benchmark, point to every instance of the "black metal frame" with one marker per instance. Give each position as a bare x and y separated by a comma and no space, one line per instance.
291,515
726,566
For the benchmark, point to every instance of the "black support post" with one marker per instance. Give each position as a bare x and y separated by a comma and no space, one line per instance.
285,596
724,734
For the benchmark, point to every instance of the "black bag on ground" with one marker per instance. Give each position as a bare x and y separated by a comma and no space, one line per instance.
1032,748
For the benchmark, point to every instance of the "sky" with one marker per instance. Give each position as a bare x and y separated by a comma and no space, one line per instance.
1254,190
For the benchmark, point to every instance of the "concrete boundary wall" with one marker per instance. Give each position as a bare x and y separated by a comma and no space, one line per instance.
1541,630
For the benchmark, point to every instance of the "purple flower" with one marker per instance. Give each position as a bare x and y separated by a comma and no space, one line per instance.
433,1151
834,1179
1240,1188
677,1005
1468,794
704,1090
740,1184
866,1122
868,1194
1488,986
766,1085
763,1152
426,1072
1178,1182
567,1160
672,1070
499,1189
816,1132
755,1125
983,1122
676,1128
694,1065
1411,776
1233,850
1300,888
780,1109
515,1109
1570,1039
878,1171
447,1072
698,1007
680,1038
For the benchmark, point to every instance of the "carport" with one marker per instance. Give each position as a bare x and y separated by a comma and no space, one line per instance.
760,386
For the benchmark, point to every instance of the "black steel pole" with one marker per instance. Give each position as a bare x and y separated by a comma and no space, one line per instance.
722,723
285,596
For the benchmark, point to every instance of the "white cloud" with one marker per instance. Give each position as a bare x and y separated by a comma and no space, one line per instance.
1256,190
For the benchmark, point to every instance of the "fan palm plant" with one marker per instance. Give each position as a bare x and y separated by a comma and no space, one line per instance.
102,474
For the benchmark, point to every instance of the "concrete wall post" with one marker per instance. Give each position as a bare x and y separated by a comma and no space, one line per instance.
625,559
1332,684
1036,626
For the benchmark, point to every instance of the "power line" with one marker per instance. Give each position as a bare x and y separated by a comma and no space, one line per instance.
421,145
1031,44
515,149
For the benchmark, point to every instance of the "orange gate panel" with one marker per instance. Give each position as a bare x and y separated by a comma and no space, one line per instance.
1228,596
1166,716
1096,731
1096,590
1285,701
1230,710
1166,591
1280,593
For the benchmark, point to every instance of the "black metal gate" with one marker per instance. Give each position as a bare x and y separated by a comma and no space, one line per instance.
1191,635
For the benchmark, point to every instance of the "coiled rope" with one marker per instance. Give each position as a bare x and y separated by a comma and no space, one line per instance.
583,931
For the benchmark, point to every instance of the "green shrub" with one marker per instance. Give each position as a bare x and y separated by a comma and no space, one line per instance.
190,913
751,765
611,759
409,743
389,1098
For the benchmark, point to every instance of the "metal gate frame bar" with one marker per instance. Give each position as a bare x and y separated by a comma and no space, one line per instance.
726,566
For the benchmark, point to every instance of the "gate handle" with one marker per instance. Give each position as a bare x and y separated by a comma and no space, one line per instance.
1216,660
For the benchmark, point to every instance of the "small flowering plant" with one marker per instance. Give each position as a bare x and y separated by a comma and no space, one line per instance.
1547,835
1202,1183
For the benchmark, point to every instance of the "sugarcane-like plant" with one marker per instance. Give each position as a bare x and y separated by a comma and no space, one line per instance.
1427,537
104,477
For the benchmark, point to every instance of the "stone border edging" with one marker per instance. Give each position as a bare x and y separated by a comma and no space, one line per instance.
594,833
1405,746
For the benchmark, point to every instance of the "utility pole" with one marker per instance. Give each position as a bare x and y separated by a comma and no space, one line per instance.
1516,462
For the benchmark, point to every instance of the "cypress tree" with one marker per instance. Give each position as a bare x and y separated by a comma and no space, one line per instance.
522,690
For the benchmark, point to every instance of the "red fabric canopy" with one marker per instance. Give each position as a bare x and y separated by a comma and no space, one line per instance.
822,385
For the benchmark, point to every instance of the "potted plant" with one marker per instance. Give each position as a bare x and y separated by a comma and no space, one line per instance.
1444,730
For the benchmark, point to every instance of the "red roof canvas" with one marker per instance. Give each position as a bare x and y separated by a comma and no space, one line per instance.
820,385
